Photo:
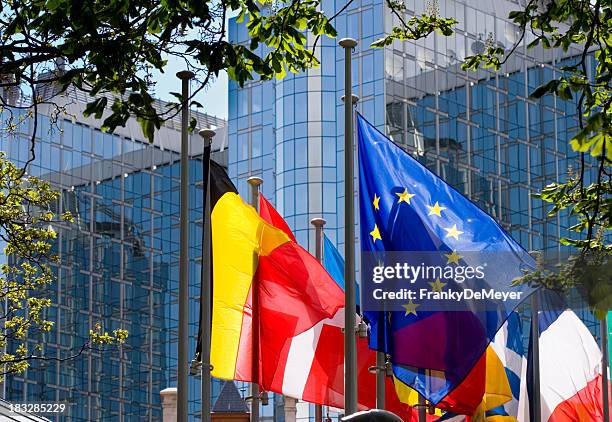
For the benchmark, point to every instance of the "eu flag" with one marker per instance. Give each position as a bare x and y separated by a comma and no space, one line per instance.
433,336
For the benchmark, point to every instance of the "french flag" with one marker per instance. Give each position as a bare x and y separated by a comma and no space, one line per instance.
570,366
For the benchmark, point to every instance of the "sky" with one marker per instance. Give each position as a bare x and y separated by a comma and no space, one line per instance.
213,98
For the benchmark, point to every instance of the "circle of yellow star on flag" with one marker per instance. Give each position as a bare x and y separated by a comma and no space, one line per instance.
453,232
410,308
404,196
452,258
375,202
375,234
435,209
437,286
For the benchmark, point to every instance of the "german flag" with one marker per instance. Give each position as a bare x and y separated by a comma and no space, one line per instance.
266,289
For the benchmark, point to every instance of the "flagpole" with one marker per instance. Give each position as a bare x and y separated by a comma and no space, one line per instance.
535,358
350,347
381,374
206,292
318,223
422,409
604,369
255,182
183,293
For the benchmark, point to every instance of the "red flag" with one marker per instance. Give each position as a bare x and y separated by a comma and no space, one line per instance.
269,214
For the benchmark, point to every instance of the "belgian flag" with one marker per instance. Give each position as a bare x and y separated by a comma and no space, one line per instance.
266,289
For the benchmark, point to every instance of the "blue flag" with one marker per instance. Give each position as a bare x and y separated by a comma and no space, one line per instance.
436,270
333,262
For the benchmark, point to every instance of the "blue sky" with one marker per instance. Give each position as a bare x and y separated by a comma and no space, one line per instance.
213,98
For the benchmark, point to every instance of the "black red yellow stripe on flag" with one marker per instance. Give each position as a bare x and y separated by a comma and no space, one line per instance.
294,291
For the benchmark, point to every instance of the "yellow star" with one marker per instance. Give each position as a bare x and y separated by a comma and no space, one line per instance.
452,258
404,196
453,232
436,209
375,202
410,308
437,286
375,234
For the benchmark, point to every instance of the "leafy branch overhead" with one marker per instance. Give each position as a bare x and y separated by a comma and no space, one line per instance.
114,47
583,26
416,27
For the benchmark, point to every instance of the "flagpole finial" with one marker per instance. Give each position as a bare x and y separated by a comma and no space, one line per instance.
254,181
347,43
318,222
207,134
354,99
185,74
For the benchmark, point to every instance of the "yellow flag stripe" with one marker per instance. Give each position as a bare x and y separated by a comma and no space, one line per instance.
500,418
239,236
408,395
497,387
497,390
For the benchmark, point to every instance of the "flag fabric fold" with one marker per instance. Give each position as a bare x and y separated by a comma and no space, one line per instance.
238,236
298,299
570,365
398,398
406,207
493,389
258,269
299,309
508,345
505,394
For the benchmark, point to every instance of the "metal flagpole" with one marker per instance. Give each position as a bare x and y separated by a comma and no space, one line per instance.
605,360
535,358
350,347
318,223
183,294
381,358
206,292
255,182
381,374
422,409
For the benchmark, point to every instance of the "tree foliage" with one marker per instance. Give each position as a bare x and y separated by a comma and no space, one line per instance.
586,27
114,46
416,27
26,229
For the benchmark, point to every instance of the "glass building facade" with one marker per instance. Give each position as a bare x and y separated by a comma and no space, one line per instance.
480,131
118,263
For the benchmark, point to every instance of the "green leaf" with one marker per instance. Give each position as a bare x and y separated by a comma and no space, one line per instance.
148,128
542,90
564,92
96,107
